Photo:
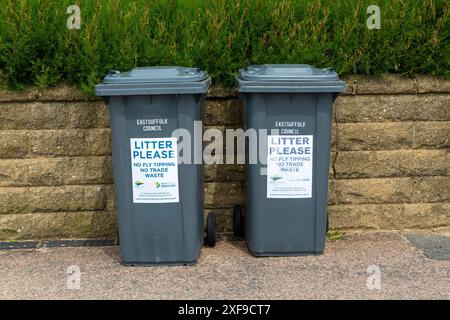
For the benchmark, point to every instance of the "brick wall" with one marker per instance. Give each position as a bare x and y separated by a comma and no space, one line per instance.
389,170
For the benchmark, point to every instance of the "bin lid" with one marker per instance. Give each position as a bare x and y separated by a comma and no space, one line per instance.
288,78
154,80
156,74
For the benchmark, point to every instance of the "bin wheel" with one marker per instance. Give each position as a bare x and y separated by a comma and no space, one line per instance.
117,237
328,226
211,230
238,221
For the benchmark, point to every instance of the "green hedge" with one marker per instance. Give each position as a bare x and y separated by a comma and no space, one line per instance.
219,36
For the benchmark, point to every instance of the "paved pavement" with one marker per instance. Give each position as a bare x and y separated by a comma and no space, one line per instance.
229,272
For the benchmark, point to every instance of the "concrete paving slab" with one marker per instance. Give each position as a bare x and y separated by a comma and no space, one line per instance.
434,246
228,271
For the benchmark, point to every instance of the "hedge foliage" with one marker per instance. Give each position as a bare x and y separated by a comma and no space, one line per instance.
220,36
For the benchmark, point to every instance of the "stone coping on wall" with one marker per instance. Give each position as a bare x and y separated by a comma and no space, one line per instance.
355,85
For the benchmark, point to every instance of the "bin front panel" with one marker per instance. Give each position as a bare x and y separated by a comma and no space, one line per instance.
289,225
156,232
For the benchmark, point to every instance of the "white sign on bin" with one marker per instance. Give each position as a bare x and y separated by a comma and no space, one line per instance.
289,166
154,167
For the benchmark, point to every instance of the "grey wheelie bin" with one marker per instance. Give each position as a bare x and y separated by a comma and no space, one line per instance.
286,211
159,199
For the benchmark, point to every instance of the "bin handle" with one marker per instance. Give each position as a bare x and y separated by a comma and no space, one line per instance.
192,71
328,70
113,73
251,69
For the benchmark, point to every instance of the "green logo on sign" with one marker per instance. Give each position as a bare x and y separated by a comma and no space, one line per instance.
138,183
